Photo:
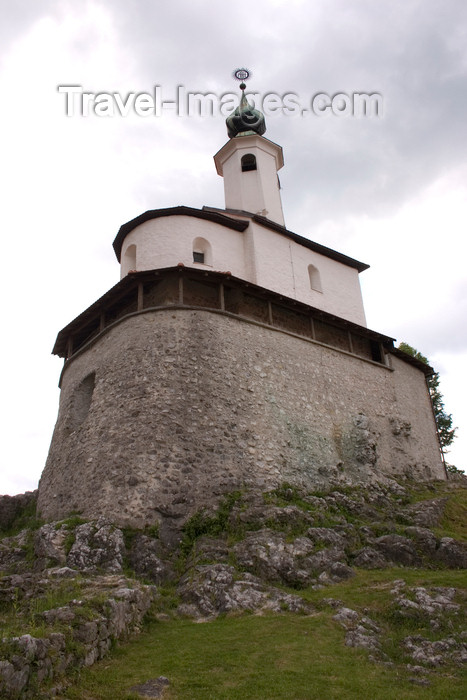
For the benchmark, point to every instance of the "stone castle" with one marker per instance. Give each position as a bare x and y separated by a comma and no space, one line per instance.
233,352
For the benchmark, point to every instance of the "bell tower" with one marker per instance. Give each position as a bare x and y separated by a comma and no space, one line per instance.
249,163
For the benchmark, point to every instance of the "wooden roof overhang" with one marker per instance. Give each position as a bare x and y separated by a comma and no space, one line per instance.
127,287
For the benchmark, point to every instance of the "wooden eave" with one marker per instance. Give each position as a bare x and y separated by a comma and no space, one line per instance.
90,318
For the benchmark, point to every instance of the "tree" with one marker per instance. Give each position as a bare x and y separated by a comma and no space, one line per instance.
446,432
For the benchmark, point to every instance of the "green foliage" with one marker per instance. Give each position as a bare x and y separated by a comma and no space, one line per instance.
24,615
446,432
73,521
287,495
25,518
202,524
129,533
166,602
452,469
454,520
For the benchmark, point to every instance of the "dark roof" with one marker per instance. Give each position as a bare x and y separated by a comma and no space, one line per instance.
221,216
426,369
316,247
214,216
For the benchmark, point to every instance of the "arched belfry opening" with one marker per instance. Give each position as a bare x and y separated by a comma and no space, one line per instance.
248,162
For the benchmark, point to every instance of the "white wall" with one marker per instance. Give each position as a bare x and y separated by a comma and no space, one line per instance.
258,255
257,190
168,240
282,265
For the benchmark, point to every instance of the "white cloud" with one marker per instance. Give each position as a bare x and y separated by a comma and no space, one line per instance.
390,192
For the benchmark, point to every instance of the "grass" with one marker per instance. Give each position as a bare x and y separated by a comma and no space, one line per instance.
454,520
259,658
25,616
280,656
25,518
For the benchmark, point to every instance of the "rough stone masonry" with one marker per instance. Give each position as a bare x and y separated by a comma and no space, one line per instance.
171,408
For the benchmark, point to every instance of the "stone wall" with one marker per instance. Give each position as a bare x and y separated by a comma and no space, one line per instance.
27,661
12,506
170,409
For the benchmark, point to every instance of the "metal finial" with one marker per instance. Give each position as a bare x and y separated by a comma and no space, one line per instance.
242,74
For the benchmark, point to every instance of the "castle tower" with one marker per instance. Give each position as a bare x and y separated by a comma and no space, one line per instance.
232,353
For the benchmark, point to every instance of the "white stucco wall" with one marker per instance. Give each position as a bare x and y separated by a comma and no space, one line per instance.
255,191
168,240
259,255
282,265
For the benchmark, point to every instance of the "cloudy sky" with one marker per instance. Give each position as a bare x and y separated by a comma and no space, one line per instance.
390,191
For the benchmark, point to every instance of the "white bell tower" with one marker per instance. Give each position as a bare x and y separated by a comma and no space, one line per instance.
249,163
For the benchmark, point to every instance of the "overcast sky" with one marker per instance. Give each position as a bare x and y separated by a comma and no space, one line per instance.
390,191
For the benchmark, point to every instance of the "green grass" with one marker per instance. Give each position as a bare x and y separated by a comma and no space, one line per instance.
454,520
25,518
25,616
260,658
281,656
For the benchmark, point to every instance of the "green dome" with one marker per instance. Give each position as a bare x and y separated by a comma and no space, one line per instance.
245,119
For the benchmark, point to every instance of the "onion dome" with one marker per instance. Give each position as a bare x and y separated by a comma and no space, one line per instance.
245,119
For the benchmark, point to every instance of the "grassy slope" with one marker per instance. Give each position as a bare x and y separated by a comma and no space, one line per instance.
262,657
290,656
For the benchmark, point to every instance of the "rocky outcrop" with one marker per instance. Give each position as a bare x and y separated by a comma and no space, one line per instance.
86,628
12,506
235,556
273,558
361,631
97,545
434,605
212,589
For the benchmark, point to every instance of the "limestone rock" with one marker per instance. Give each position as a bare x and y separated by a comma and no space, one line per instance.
147,559
452,553
424,539
98,545
346,617
217,588
436,653
427,513
328,536
369,558
361,631
49,543
153,688
13,551
268,554
340,571
287,518
435,602
398,549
